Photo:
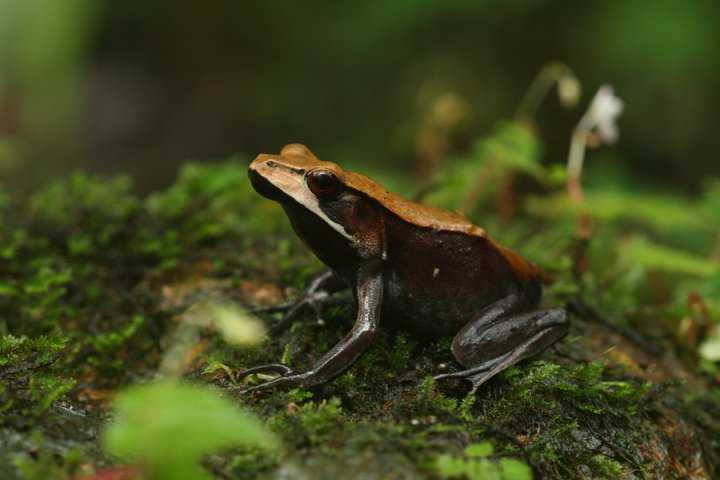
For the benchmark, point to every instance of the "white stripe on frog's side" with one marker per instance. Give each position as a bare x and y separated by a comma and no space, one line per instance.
310,201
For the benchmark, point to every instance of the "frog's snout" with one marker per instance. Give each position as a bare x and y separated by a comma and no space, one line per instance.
259,181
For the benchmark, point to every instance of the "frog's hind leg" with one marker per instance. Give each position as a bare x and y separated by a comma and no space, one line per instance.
493,342
316,295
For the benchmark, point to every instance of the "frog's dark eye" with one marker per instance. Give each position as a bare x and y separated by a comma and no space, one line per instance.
323,183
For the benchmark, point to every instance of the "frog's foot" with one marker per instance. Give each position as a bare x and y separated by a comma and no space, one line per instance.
316,296
526,334
286,376
315,300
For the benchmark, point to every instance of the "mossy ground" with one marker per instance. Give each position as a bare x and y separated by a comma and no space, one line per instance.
95,281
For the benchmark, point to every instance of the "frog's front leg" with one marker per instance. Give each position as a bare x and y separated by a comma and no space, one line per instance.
369,291
503,335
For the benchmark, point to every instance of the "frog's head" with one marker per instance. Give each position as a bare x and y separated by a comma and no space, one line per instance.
295,173
328,207
296,177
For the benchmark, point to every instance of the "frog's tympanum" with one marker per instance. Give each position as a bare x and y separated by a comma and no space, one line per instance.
424,270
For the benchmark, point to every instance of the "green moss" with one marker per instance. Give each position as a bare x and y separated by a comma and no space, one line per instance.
48,462
607,467
92,211
576,410
29,352
432,397
25,401
250,463
109,341
43,289
545,384
400,352
46,389
704,409
309,424
211,201
30,384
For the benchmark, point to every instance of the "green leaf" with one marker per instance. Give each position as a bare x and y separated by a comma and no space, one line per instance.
514,469
642,251
484,449
169,426
449,466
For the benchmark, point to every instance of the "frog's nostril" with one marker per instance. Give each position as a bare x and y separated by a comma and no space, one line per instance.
271,163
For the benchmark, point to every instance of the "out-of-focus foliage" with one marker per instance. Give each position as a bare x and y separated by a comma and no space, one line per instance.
137,87
468,182
213,201
43,54
476,465
167,427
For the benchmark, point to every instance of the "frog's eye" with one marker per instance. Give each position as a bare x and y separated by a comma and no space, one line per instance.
323,183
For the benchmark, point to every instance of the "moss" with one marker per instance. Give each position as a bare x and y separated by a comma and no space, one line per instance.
47,461
30,383
311,423
23,352
704,410
83,215
46,389
250,463
607,467
546,385
400,352
566,414
109,341
434,399
212,201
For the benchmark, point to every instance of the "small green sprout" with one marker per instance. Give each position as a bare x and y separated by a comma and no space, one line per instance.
166,428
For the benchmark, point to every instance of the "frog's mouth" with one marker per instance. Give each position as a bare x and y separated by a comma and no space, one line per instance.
265,187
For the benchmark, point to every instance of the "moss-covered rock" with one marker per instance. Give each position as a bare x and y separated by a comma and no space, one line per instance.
95,283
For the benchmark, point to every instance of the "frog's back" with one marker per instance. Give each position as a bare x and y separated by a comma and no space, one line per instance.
411,212
436,222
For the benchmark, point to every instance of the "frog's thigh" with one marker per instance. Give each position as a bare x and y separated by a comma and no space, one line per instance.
484,345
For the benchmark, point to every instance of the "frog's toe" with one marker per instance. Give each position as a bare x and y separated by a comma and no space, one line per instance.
277,368
469,374
276,382
287,377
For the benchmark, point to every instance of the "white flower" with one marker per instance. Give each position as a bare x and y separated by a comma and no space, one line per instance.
604,110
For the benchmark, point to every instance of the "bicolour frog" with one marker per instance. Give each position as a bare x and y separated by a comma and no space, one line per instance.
428,271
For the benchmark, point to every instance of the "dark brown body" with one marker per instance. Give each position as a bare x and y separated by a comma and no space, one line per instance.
434,280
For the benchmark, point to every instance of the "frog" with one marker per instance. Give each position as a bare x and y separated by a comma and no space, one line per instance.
427,271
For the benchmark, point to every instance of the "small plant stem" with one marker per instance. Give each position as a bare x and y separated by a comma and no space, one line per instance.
549,75
471,198
576,158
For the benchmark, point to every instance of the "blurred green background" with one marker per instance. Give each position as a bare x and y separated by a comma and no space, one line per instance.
140,87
